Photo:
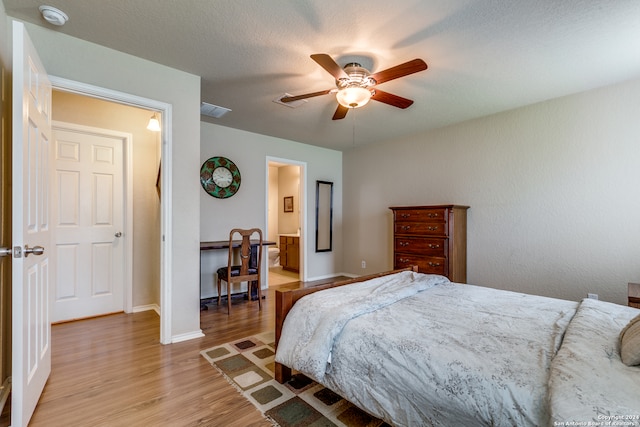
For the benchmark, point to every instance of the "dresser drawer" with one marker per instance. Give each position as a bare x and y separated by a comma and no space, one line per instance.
421,246
421,228
429,265
421,215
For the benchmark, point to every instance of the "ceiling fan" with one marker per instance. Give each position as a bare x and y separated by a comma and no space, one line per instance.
356,85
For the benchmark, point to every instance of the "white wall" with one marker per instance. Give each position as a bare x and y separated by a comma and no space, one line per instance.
249,151
5,40
554,191
78,60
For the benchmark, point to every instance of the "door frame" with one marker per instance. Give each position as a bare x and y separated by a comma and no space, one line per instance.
303,206
127,199
165,109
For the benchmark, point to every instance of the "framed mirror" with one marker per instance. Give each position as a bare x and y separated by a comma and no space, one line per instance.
324,216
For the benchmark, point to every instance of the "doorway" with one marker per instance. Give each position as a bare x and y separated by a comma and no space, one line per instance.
285,223
142,228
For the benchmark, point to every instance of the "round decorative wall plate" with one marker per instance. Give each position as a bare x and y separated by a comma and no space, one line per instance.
220,177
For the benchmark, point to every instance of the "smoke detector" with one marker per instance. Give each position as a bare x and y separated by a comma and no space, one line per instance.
53,16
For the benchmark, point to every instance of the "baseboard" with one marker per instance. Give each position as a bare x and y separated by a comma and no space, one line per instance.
187,336
147,307
175,338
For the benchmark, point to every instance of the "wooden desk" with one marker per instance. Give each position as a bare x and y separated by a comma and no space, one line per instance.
224,244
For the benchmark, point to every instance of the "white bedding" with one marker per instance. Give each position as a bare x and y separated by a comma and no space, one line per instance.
323,317
589,383
442,354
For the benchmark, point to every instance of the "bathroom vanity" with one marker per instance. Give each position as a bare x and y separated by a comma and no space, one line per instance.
290,252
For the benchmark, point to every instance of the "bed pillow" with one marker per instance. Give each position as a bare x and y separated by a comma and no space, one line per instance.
630,343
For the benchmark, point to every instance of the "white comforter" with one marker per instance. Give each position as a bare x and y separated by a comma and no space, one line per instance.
442,354
588,382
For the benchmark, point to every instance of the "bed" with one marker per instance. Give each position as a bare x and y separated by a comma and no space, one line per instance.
416,349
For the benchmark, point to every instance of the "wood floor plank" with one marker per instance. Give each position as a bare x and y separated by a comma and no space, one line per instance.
112,371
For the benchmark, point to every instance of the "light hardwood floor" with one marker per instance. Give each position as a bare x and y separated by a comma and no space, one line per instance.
278,276
112,371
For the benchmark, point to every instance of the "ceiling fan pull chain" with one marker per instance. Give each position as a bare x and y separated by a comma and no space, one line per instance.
353,114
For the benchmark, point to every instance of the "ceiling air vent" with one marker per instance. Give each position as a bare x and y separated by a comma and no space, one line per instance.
211,110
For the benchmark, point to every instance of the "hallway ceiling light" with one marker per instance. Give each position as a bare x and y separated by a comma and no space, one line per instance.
53,15
154,123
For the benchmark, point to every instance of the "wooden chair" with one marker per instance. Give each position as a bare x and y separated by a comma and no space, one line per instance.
250,264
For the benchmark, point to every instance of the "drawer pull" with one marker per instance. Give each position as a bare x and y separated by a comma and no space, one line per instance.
406,227
405,215
432,228
403,260
432,215
433,246
404,244
434,264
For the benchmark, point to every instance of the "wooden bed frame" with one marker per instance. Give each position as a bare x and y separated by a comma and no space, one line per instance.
286,299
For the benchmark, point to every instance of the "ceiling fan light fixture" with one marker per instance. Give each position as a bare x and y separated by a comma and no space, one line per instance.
353,96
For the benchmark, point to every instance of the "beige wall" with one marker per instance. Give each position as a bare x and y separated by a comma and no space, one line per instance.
272,203
289,186
284,181
554,191
73,108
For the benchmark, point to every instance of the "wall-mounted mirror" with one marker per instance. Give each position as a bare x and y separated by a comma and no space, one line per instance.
324,215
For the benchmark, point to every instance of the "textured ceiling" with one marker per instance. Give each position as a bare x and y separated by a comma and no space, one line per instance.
484,56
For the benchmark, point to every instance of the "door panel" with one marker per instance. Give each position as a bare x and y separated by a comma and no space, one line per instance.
89,215
31,270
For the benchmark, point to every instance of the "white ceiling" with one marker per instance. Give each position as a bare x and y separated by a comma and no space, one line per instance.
484,56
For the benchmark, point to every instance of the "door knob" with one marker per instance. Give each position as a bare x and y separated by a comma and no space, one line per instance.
36,250
118,234
6,252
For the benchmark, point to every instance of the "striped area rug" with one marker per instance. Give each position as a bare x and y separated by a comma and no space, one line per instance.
248,365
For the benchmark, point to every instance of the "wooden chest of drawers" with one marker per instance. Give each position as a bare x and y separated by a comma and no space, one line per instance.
432,237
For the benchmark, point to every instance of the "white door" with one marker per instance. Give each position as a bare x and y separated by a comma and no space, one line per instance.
88,222
32,275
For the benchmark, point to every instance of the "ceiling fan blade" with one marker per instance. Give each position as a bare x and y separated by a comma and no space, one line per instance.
332,67
305,96
391,99
340,113
399,71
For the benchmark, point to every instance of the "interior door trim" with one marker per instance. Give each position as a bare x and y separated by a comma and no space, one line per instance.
166,256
